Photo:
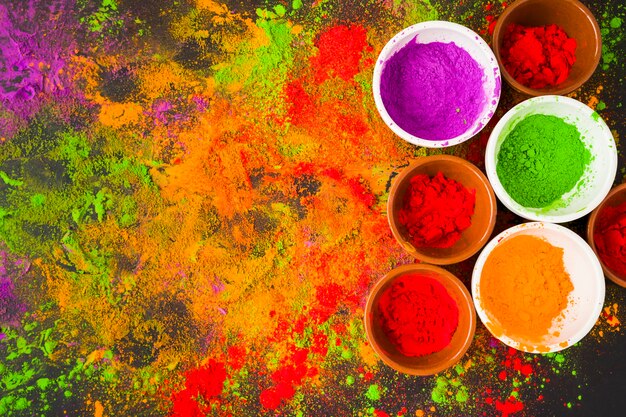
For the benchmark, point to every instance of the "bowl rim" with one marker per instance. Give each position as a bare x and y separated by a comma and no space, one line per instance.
557,91
588,324
591,240
491,102
503,195
412,250
466,307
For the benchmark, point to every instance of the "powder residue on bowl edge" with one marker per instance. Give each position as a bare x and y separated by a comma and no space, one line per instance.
524,288
435,211
540,160
418,315
433,90
610,238
539,56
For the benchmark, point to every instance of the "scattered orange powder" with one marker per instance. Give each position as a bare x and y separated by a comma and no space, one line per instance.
524,287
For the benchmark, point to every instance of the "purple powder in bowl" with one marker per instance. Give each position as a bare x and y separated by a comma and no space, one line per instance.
433,90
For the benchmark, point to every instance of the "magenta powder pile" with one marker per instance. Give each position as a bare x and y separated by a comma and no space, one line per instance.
433,90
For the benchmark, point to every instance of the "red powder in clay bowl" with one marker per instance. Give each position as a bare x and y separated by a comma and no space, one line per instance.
418,315
610,238
436,210
538,57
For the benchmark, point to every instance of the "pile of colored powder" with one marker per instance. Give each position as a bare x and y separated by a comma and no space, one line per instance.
540,160
538,57
433,91
610,238
418,315
436,210
524,288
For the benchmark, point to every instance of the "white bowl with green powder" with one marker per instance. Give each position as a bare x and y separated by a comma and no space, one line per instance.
551,158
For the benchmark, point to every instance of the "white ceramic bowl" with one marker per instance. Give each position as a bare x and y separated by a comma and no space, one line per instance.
446,32
596,181
585,302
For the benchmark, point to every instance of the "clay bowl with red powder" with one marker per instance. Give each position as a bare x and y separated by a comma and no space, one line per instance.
428,364
601,223
482,221
570,15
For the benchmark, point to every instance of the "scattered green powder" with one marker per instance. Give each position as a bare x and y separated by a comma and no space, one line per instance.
373,392
615,23
461,395
349,380
440,391
540,160
601,105
612,37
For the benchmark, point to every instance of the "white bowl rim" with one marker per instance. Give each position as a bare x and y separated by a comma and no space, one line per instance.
486,114
503,196
599,276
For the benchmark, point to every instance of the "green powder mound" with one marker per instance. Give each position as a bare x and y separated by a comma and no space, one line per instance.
541,159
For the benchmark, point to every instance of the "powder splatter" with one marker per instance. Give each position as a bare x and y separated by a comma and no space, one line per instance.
192,208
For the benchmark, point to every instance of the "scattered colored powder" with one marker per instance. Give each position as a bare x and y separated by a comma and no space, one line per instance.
610,238
615,23
373,392
538,57
509,407
541,159
201,384
612,32
340,50
418,315
436,210
433,91
524,288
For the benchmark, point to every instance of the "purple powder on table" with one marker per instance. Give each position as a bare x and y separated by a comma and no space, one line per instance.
433,90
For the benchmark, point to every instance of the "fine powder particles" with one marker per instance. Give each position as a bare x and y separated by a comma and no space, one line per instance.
541,159
433,90
418,315
610,237
435,211
524,288
538,57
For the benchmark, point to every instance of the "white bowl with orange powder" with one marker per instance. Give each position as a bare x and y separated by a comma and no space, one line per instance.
538,287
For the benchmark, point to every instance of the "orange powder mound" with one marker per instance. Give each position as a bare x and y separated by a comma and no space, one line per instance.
524,287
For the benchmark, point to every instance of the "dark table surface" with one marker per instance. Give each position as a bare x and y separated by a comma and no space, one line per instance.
192,211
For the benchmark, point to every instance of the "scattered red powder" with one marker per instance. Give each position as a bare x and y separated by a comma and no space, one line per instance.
418,315
538,57
285,379
360,191
511,406
610,238
436,210
206,381
340,50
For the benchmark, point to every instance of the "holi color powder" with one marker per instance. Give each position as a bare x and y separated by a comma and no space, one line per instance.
435,211
192,212
541,159
418,315
524,289
434,90
538,57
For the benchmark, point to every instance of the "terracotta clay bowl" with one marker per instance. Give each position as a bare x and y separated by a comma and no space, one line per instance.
435,362
473,238
615,197
575,19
